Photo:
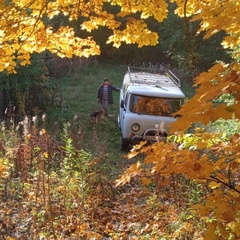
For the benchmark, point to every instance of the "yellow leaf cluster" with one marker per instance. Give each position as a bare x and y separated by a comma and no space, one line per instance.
147,8
3,168
25,27
136,32
103,19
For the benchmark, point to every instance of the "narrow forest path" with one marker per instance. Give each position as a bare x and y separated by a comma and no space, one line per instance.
131,211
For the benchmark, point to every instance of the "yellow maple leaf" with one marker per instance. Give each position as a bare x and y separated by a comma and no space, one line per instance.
235,227
214,185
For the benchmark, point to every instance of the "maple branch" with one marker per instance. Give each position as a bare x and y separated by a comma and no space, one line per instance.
225,183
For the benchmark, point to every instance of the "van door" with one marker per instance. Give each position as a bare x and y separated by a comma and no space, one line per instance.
123,109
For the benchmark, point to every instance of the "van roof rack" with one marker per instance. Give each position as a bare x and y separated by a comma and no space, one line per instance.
160,77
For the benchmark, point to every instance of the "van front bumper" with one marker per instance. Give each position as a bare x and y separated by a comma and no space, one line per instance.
151,135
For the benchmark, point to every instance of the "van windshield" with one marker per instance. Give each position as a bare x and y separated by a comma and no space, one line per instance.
154,105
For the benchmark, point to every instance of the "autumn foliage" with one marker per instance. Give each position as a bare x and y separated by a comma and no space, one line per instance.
195,169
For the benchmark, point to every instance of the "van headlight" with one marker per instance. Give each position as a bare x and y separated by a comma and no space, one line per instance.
135,127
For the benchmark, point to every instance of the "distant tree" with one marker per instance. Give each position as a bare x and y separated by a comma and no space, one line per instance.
180,41
30,92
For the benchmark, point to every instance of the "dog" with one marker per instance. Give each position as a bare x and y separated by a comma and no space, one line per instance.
97,115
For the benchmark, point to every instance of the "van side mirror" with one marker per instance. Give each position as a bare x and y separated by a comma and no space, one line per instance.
122,103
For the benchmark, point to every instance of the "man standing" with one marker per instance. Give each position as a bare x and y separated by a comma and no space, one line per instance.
104,94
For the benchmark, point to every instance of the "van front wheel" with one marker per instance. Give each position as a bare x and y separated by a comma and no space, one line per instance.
126,144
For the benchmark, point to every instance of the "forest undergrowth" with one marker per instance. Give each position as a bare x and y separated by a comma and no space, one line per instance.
51,188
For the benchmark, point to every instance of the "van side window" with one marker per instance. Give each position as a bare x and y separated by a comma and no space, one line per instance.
126,99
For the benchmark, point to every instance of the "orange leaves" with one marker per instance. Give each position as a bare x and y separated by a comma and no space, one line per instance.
32,35
221,111
199,170
145,181
212,74
221,212
65,44
132,171
221,78
186,8
136,149
235,139
165,159
214,185
191,156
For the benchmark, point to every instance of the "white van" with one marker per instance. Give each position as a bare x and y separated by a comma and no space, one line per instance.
148,98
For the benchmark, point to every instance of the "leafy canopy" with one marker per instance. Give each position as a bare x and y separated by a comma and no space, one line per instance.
30,26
